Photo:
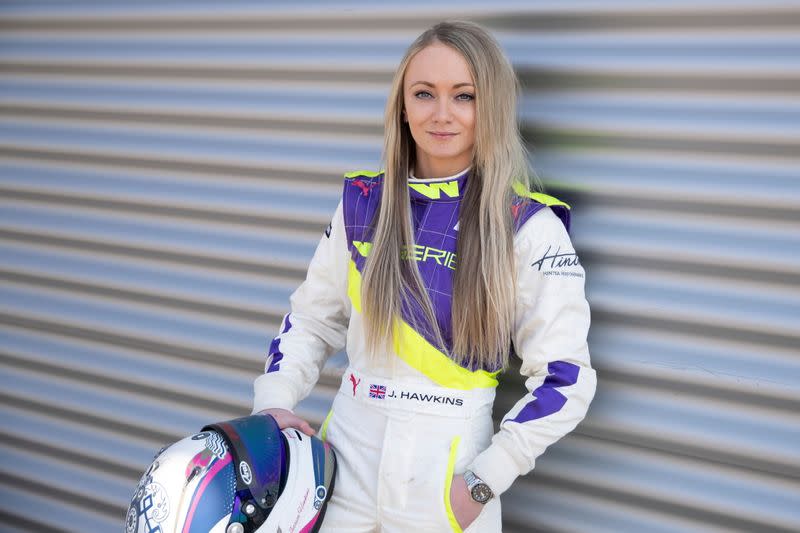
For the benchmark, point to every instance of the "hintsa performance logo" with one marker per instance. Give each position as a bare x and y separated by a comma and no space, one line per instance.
559,263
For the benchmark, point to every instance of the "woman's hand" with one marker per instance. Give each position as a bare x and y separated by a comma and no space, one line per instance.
287,419
465,509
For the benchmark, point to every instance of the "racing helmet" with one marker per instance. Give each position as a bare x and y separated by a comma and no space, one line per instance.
245,475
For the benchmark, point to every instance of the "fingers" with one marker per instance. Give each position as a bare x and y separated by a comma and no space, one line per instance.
296,422
300,424
306,428
287,419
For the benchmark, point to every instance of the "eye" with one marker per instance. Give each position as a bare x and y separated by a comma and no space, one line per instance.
465,97
422,94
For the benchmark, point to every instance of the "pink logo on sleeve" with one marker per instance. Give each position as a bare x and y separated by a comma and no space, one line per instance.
364,187
355,383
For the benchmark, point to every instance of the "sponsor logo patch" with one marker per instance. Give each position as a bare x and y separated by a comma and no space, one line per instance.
377,391
319,496
418,252
434,190
558,263
245,472
354,382
365,188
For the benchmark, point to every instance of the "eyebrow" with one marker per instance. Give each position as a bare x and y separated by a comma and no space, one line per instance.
456,86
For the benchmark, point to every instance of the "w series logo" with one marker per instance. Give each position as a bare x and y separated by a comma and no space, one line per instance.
434,190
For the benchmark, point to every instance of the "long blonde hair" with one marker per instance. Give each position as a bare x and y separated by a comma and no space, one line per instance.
484,279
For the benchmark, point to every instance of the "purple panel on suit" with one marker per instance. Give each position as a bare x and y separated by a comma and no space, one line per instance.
274,347
435,238
525,208
547,400
434,229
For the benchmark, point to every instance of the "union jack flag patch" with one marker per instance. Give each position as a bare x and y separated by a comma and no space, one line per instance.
377,391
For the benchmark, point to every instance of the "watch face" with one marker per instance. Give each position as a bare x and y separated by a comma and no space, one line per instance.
481,493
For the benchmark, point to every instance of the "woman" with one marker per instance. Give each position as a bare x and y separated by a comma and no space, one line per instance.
430,273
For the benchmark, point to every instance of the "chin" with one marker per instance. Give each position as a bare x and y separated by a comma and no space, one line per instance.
443,154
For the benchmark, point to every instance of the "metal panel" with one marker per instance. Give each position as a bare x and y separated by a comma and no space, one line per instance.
167,168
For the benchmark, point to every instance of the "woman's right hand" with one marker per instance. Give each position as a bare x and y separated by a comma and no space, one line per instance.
287,419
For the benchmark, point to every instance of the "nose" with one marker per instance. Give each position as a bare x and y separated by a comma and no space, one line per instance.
443,111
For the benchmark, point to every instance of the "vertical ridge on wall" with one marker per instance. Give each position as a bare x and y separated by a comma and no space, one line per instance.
167,168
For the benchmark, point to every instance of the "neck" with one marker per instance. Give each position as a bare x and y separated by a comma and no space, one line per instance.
425,173
428,167
413,176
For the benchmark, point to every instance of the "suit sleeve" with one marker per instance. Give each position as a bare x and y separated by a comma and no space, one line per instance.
314,329
551,324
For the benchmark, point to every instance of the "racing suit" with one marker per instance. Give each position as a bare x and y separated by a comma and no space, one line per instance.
404,422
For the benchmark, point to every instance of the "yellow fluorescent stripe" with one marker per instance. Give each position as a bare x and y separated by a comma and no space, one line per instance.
448,481
365,173
540,197
323,432
415,350
363,247
354,286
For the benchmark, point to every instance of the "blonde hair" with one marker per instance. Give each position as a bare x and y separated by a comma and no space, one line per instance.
484,279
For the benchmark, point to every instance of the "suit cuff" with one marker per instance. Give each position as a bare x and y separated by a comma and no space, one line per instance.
270,393
496,467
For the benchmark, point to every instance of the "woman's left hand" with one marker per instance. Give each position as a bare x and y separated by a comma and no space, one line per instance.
465,509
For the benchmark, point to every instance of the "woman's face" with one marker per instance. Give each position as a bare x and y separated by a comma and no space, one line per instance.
439,103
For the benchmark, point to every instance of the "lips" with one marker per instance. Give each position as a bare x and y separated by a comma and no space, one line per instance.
442,134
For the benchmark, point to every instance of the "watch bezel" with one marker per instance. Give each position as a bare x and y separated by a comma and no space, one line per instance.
481,493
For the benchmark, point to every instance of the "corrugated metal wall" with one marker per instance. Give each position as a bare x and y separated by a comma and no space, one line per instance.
168,167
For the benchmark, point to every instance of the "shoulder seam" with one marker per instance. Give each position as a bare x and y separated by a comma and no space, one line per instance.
363,173
539,197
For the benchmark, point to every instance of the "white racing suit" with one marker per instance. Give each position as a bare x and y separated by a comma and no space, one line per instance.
404,422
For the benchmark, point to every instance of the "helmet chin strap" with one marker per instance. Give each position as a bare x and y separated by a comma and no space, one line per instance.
257,482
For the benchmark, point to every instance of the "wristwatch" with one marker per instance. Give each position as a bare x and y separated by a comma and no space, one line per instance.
479,490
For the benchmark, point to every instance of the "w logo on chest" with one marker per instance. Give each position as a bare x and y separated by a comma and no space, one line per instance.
434,190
